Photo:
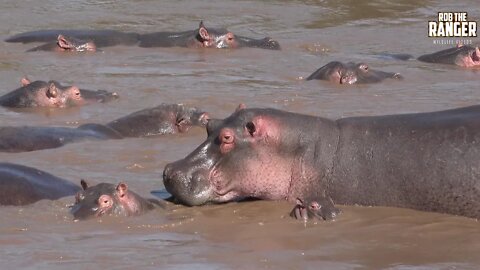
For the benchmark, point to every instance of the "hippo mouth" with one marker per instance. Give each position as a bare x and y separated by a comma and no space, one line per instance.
475,56
470,59
220,190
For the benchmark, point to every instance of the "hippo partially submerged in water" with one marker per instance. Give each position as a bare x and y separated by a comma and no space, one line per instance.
461,55
67,44
202,37
423,161
22,185
112,200
52,94
163,119
350,73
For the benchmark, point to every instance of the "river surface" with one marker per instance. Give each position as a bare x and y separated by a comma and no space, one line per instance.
245,235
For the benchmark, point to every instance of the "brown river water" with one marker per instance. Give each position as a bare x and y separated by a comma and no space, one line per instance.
245,235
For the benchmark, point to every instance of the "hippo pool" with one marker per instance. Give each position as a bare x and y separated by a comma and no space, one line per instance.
239,235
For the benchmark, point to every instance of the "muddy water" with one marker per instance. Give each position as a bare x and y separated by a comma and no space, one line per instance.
249,235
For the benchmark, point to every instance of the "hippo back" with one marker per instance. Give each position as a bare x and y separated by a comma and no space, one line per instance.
21,185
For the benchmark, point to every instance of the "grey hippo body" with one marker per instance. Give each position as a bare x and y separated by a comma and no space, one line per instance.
160,120
422,161
202,37
52,95
109,199
67,44
351,73
461,55
22,185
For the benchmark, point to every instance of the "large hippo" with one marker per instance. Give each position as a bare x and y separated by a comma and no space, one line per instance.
423,161
22,185
101,38
109,199
350,73
52,94
198,38
205,38
67,44
163,119
461,55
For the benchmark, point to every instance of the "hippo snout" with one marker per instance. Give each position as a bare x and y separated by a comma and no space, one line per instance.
188,187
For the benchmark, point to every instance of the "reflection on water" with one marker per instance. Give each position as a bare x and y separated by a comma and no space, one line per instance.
236,235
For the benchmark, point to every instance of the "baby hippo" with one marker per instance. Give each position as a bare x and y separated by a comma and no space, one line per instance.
109,199
67,44
52,94
350,73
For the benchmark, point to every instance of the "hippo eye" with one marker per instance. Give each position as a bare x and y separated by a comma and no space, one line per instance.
250,126
364,67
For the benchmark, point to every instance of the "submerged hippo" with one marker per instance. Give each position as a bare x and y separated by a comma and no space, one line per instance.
101,38
205,38
461,55
423,161
350,73
67,44
163,119
52,94
198,38
22,185
109,199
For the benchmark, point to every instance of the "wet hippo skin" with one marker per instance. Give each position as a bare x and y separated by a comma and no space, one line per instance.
350,73
461,55
52,94
422,161
202,37
22,185
109,199
67,44
163,119
464,56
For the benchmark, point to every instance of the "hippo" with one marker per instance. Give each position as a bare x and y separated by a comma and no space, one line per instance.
101,38
22,185
52,94
159,120
198,38
67,44
423,161
350,73
461,55
205,38
108,199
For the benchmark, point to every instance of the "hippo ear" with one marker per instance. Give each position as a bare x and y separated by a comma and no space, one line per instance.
203,32
52,91
203,119
63,42
25,81
121,189
84,184
240,107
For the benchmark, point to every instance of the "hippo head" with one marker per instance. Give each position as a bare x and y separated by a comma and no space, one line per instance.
52,94
216,38
464,56
252,153
105,199
350,73
72,44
